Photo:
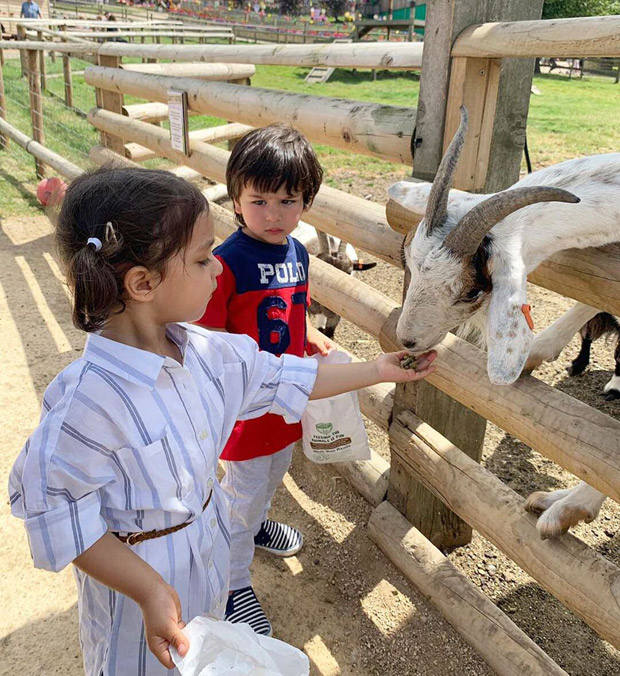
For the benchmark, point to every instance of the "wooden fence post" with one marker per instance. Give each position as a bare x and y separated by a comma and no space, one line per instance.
496,111
66,71
21,35
42,66
4,140
113,102
36,105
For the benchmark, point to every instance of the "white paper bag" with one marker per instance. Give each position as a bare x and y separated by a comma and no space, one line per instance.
217,648
333,429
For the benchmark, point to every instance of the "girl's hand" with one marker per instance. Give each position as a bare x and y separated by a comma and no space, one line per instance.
163,624
391,371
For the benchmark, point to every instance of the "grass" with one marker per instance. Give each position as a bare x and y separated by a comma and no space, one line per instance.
570,118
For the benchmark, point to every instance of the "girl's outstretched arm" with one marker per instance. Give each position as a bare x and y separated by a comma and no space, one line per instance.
112,563
335,379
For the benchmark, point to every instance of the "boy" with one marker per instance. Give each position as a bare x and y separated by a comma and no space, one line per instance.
273,176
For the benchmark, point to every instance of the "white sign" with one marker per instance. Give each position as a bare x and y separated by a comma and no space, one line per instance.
177,116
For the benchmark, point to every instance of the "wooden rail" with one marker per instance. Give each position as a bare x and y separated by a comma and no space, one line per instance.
366,128
578,37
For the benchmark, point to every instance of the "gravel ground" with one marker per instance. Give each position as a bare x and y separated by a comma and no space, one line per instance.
340,600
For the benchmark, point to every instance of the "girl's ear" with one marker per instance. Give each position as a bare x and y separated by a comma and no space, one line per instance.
139,283
509,337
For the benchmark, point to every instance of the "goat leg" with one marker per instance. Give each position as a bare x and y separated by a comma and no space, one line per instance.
549,343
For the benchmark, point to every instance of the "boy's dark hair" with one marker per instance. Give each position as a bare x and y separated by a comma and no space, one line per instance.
270,158
141,216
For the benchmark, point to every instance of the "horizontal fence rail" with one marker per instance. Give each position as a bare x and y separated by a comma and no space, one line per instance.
579,37
579,577
368,128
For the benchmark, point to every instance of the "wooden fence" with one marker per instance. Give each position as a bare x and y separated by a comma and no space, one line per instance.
435,429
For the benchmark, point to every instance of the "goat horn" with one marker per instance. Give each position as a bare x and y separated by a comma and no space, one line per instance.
469,232
437,205
342,248
323,242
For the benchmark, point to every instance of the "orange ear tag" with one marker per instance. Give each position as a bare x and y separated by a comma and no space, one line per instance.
528,317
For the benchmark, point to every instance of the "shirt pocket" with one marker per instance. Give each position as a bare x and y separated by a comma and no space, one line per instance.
154,476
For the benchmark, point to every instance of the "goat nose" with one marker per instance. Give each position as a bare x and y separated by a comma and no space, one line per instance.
409,344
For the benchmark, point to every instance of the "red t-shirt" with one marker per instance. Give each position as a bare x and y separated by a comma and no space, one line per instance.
262,292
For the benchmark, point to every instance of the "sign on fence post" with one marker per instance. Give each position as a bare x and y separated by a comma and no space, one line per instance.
177,115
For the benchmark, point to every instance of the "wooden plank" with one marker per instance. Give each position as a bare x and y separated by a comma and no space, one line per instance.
474,84
577,37
393,55
579,577
482,624
111,101
367,128
36,106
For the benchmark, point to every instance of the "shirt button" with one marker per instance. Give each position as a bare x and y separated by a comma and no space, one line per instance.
210,483
210,563
204,434
213,523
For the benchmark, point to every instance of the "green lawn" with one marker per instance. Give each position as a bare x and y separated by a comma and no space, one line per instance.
570,118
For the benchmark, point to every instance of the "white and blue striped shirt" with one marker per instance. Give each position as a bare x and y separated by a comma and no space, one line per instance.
129,441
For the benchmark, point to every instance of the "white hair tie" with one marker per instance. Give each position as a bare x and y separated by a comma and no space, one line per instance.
95,241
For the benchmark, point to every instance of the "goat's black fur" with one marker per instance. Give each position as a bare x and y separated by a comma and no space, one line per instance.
602,325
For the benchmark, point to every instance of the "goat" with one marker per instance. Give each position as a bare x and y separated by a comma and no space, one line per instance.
337,253
468,262
603,324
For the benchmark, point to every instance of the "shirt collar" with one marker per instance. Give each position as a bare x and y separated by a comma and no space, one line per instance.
131,363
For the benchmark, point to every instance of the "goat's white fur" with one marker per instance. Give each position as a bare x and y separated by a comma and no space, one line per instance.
306,234
519,244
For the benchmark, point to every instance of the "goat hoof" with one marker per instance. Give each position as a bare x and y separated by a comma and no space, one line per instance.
611,395
575,369
538,502
559,518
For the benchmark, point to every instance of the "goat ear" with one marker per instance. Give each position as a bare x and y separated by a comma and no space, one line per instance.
414,196
364,266
509,338
411,196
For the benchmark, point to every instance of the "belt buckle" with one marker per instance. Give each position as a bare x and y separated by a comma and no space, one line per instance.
133,538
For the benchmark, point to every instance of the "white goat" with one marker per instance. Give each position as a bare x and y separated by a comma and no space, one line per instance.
469,259
337,253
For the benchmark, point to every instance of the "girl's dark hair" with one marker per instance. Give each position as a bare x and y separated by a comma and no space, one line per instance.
141,216
270,158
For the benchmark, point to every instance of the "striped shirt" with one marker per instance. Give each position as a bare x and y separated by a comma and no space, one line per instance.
129,441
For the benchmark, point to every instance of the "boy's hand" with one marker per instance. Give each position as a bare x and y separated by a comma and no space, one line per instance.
390,369
163,624
318,342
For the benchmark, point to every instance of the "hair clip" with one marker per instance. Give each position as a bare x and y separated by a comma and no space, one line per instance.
110,234
95,242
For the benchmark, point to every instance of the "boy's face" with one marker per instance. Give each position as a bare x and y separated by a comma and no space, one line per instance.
269,216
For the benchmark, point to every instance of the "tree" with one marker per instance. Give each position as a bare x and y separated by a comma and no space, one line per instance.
562,9
290,7
336,7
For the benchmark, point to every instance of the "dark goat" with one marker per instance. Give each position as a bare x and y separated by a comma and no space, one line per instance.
602,325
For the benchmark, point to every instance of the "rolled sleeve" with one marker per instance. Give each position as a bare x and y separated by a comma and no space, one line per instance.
60,535
297,379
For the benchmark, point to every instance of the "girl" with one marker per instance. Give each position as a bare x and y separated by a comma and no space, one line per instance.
119,477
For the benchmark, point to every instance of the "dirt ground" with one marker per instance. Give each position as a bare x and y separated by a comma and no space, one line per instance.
340,599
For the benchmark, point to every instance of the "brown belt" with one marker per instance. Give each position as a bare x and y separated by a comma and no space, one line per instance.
141,536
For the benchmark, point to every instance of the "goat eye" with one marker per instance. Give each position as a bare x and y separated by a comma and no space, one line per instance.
471,296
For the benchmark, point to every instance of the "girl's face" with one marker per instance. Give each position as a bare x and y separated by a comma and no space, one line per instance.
269,216
190,277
